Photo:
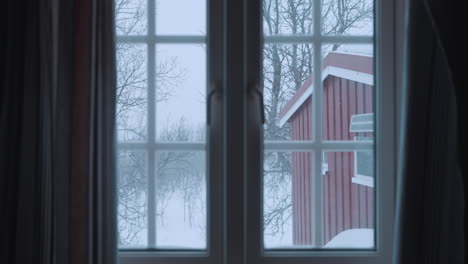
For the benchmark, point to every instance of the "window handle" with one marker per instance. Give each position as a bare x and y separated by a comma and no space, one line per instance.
255,88
215,89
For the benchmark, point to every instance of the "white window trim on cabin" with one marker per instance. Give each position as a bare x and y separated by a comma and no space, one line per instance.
354,122
363,180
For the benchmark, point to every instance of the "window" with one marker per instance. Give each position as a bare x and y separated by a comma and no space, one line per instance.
362,123
318,75
363,165
161,121
248,129
363,160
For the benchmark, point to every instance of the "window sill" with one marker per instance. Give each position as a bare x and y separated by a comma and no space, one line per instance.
363,180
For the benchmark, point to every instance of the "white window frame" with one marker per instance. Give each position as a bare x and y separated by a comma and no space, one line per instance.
151,146
151,254
363,180
239,239
384,147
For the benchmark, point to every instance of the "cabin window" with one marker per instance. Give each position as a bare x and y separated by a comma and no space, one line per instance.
363,165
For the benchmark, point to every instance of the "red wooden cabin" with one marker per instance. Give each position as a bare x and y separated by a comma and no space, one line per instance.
347,179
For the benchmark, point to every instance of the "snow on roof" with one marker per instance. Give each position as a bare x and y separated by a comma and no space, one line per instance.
351,66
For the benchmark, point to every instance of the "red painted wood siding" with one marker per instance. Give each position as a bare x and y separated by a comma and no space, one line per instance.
346,205
302,175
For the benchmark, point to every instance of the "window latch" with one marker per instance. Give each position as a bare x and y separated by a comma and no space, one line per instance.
216,88
255,88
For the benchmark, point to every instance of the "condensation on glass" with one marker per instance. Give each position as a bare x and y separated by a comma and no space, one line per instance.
161,123
331,205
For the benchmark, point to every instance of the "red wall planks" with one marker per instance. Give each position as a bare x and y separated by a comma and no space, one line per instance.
302,173
346,204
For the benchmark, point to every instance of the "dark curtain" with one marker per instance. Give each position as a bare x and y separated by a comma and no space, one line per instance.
57,106
431,185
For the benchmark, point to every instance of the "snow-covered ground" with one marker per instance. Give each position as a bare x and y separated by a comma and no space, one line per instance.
178,229
353,238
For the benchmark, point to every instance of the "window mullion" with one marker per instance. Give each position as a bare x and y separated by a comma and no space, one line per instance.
293,146
151,126
297,39
317,180
215,132
254,132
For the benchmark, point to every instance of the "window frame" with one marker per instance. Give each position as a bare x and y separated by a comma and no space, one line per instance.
384,147
214,29
223,233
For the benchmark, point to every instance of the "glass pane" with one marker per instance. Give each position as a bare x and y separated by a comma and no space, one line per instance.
348,17
348,202
348,90
364,162
130,17
131,112
181,17
287,199
181,92
287,70
181,200
132,195
288,17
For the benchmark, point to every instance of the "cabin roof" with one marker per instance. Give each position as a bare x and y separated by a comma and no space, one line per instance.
351,66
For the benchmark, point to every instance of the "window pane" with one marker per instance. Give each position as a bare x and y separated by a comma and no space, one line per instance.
287,82
181,92
364,162
132,195
348,90
130,17
348,206
287,199
348,17
180,200
288,17
131,112
181,17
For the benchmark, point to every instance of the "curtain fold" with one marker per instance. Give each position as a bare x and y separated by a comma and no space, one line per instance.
57,132
430,198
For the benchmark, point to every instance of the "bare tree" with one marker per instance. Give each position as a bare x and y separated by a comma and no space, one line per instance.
178,174
130,17
180,171
131,115
132,196
341,16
